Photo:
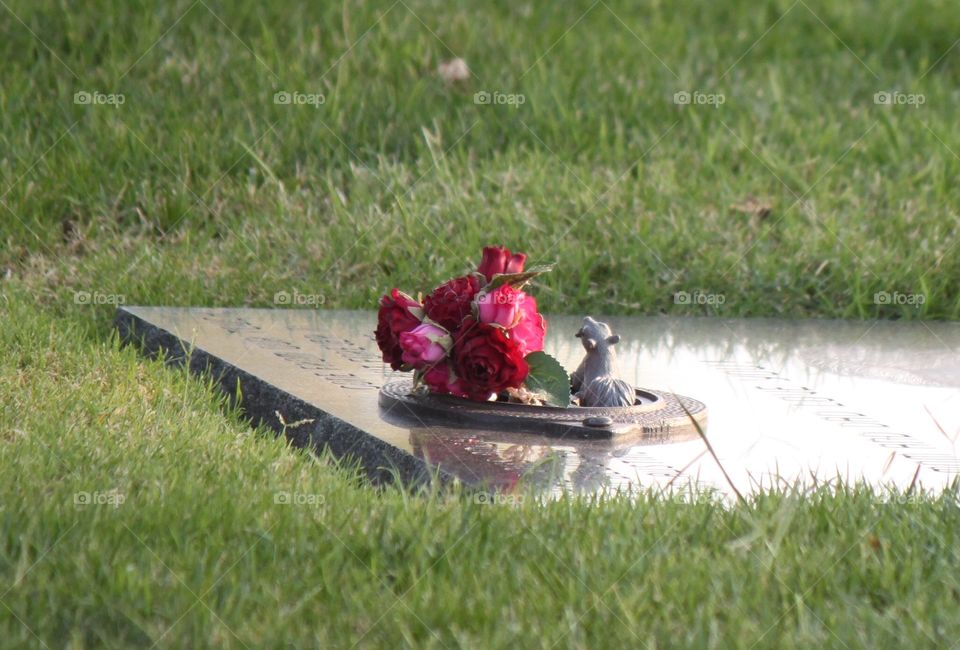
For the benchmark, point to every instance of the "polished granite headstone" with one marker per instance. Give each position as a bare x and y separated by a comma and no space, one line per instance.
787,401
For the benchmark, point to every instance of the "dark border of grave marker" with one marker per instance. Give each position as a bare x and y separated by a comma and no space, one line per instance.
381,461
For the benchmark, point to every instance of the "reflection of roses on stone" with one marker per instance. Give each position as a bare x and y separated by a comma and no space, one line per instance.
471,334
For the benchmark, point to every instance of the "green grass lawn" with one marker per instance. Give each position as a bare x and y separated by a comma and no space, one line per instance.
798,195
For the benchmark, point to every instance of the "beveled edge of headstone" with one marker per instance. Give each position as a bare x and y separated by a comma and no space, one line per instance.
382,463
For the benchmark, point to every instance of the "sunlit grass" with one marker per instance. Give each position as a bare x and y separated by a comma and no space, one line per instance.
199,190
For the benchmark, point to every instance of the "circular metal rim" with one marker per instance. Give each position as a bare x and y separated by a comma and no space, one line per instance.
641,420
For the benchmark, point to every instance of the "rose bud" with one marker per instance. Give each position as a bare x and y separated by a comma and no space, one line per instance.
440,379
497,259
398,313
531,329
500,306
424,345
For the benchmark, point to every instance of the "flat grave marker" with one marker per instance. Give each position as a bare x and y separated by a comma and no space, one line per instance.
787,400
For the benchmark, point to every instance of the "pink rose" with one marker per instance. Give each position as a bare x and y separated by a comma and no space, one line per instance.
424,345
441,379
530,331
497,259
500,306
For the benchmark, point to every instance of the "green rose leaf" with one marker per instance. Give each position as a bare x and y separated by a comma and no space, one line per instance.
517,280
548,378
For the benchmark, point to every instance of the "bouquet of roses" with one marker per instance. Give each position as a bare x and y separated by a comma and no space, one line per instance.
478,336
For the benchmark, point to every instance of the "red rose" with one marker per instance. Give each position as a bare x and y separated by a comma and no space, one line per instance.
486,361
497,259
395,317
449,303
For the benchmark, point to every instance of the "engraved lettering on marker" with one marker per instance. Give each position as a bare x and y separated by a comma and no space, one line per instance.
271,343
806,397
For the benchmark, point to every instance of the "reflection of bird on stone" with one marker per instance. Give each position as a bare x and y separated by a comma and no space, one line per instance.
595,382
